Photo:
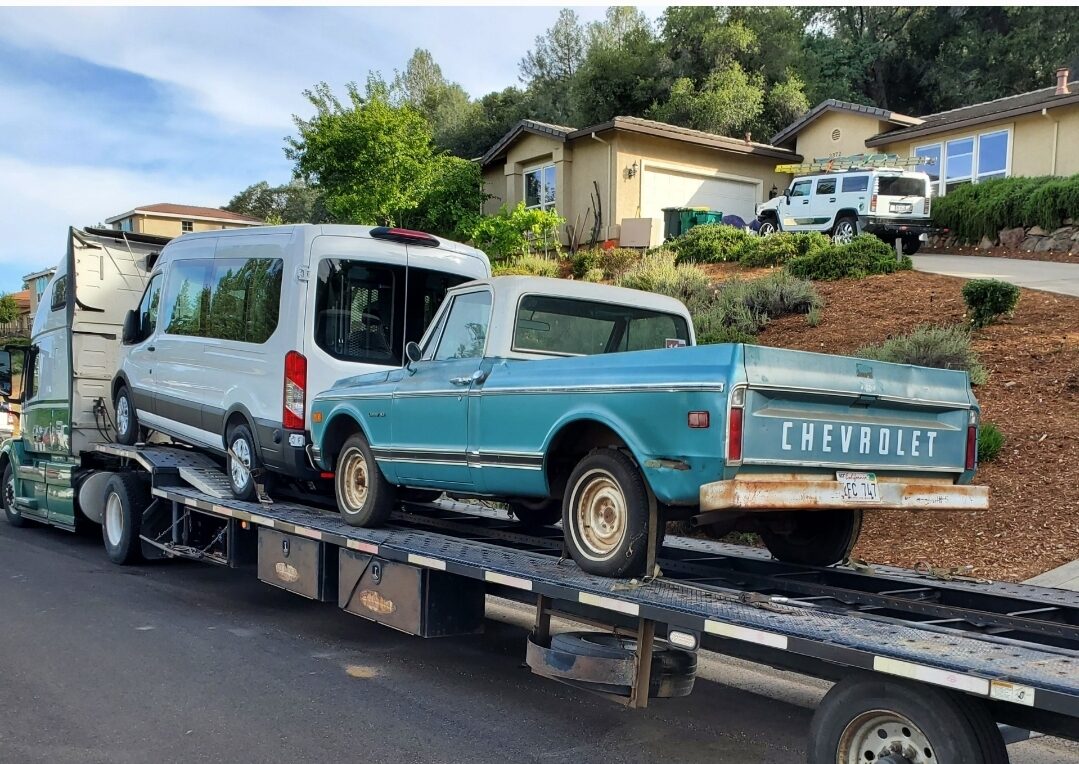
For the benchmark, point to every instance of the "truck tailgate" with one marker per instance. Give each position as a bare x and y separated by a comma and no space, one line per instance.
816,410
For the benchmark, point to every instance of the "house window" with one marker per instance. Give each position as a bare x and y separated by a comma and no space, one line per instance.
186,226
125,225
969,159
540,187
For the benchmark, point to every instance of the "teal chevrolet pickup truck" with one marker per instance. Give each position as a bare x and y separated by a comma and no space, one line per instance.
590,404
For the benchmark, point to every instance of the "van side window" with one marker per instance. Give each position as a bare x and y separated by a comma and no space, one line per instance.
186,296
826,186
855,183
357,311
148,308
59,293
244,299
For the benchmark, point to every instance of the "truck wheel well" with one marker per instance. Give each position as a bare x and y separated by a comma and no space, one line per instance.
338,431
570,445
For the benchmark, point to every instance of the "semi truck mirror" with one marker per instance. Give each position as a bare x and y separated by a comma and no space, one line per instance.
5,373
131,328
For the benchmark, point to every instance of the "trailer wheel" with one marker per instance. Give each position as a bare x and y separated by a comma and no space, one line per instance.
127,421
11,512
869,719
605,515
673,671
811,537
126,497
536,513
364,497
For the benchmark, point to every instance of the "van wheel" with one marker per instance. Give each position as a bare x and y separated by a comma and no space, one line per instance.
242,460
127,421
767,227
126,497
536,513
605,515
364,497
845,230
11,512
811,537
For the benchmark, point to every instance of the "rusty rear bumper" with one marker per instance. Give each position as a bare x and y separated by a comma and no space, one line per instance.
785,494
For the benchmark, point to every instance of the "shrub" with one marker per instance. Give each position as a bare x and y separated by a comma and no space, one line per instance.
990,442
942,347
989,299
814,317
984,209
594,274
528,265
517,231
720,334
658,273
743,308
584,261
864,256
712,243
779,248
617,261
775,295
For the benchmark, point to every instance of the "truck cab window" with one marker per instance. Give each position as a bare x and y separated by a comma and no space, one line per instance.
59,293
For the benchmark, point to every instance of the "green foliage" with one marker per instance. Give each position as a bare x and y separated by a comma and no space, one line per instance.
516,231
585,260
727,102
988,299
941,347
777,294
984,209
617,261
780,248
990,442
294,202
9,309
527,265
449,208
658,272
814,316
866,255
594,275
711,244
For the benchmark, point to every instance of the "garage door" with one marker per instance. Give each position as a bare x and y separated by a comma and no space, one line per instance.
669,188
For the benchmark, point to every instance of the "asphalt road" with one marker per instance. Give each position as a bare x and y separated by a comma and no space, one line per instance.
181,662
1062,278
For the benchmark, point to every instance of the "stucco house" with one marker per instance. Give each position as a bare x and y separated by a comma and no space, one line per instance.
638,166
177,219
1028,134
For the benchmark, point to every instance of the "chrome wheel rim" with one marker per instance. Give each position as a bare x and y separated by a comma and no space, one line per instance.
600,513
114,520
123,415
844,233
874,735
353,476
240,462
766,229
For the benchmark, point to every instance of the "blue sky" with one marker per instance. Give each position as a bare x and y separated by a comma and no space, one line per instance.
104,109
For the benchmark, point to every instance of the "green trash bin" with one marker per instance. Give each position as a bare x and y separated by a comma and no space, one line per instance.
672,223
709,217
688,217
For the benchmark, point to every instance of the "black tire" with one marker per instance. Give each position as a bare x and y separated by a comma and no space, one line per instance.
767,227
120,533
957,728
536,513
844,230
627,552
11,512
911,245
127,421
241,482
811,537
364,497
673,671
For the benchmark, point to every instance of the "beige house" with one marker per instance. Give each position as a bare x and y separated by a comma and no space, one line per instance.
1029,134
176,219
34,285
629,169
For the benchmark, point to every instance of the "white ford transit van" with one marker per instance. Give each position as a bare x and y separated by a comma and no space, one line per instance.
238,329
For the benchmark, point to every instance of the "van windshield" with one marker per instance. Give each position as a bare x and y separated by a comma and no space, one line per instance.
892,185
366,312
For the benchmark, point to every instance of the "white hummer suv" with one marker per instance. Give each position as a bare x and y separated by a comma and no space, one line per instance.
891,203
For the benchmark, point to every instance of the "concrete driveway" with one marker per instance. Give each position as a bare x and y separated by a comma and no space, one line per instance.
1062,278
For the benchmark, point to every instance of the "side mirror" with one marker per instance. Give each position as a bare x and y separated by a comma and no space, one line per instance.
5,373
412,353
132,330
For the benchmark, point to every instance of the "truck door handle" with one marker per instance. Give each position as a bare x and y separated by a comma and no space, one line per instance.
477,376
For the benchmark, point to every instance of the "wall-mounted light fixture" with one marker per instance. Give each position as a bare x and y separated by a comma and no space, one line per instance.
631,171
774,192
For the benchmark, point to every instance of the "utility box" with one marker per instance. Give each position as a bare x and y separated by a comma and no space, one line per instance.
420,601
303,566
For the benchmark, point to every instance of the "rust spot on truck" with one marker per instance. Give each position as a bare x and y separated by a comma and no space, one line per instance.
286,572
376,603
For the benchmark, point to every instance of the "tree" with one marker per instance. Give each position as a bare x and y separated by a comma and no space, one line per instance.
294,202
9,309
445,104
371,160
493,117
454,200
729,102
549,68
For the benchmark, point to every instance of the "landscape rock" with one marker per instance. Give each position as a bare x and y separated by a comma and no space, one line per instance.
1012,237
1036,231
1046,244
986,243
1063,230
1030,243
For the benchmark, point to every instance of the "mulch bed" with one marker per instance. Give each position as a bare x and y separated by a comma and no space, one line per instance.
1032,396
1013,254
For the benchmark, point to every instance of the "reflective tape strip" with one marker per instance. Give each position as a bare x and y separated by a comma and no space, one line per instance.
1012,693
607,603
224,511
310,533
931,675
361,546
500,578
426,562
258,520
733,631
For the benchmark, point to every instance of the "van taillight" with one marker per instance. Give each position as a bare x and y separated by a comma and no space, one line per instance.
972,447
292,417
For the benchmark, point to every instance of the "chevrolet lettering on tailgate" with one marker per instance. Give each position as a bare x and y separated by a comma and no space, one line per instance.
846,439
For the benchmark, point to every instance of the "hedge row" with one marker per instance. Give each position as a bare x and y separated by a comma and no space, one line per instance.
972,211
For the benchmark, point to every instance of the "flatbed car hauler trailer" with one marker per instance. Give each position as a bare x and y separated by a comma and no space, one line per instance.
927,670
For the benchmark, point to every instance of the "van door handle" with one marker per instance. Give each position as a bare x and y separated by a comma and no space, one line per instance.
151,348
832,200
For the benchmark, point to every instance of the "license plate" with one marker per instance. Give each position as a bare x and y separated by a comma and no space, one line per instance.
859,487
901,207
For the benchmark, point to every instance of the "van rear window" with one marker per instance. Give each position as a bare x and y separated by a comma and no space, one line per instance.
899,186
365,313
